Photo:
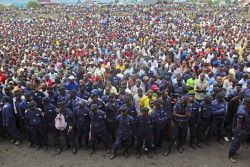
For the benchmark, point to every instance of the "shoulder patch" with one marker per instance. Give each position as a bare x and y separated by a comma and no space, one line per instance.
26,111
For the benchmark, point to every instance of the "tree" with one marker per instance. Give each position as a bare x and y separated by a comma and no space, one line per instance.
12,6
33,4
229,2
2,6
116,1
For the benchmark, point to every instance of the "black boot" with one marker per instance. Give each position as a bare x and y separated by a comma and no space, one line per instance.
138,154
45,148
126,155
155,150
198,143
86,147
74,150
92,150
168,151
113,155
58,150
30,144
231,158
1,139
80,145
38,147
66,147
192,145
108,149
180,149
245,144
220,141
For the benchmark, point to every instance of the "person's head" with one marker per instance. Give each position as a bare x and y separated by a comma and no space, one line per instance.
219,79
32,106
71,79
179,80
158,103
94,108
124,111
49,90
144,111
45,100
152,79
81,103
28,97
150,93
62,91
241,95
94,98
128,100
230,77
193,75
35,88
112,97
140,92
72,94
239,87
6,99
184,101
18,95
202,76
247,102
208,99
191,97
220,97
221,67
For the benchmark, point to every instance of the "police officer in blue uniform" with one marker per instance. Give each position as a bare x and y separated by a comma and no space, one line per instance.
23,107
193,107
112,111
1,121
37,96
144,132
82,93
52,95
69,132
219,113
49,112
125,132
63,95
34,123
98,128
160,117
82,114
240,124
181,116
73,100
9,121
131,108
96,100
247,89
205,119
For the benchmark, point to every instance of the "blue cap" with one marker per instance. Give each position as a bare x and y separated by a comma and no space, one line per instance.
194,56
95,91
215,63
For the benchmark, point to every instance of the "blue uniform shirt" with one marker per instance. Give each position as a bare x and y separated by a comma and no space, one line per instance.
82,117
126,125
8,115
182,111
219,110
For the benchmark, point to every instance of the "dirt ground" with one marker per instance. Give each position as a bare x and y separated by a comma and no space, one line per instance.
213,155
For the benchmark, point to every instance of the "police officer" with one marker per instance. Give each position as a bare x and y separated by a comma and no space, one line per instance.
23,107
193,107
112,111
98,128
52,95
73,100
62,96
37,96
181,116
69,132
34,123
219,112
49,112
205,119
131,108
241,121
144,132
96,100
82,93
9,121
160,117
125,132
82,114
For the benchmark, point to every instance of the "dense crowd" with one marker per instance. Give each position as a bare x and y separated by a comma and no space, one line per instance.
129,80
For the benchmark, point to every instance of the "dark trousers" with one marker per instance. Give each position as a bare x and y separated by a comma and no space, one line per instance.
148,143
70,137
13,131
192,132
95,133
217,125
82,132
235,145
123,141
50,127
158,135
202,128
37,134
179,132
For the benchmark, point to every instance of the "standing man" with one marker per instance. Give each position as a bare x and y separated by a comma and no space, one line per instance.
241,121
98,128
201,88
125,132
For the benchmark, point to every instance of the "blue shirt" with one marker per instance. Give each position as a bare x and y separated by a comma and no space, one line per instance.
71,86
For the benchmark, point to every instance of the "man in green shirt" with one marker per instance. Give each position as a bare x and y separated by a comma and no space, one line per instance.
191,82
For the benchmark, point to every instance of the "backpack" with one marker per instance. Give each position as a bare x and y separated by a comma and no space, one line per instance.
60,123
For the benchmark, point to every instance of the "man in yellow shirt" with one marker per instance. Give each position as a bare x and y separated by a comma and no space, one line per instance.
121,66
145,101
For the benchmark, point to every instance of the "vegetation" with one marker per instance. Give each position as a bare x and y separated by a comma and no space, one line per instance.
33,4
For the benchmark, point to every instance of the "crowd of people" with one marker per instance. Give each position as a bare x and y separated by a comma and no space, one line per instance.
135,80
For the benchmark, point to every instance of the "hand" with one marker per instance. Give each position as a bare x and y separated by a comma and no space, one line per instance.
240,133
70,129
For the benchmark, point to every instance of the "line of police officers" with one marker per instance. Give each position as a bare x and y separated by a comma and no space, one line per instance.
95,121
